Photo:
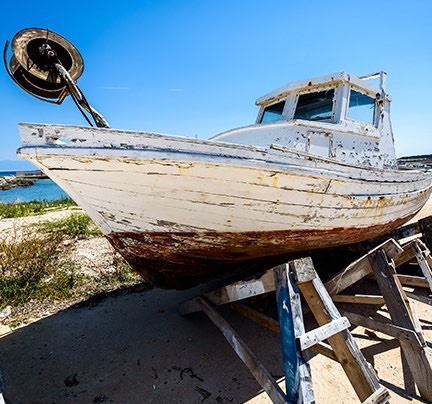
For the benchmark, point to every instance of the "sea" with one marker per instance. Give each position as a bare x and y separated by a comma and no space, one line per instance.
41,190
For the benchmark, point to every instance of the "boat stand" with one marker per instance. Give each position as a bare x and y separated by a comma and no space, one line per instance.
299,276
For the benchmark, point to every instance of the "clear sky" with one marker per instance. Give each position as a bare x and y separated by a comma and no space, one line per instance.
196,67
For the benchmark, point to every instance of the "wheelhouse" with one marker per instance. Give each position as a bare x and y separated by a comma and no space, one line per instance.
340,117
333,99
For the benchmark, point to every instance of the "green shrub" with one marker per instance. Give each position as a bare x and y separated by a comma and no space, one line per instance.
10,210
77,225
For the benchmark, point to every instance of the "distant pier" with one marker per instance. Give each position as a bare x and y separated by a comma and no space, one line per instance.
20,179
31,174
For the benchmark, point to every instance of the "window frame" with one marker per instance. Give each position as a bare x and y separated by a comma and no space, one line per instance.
263,108
318,90
375,118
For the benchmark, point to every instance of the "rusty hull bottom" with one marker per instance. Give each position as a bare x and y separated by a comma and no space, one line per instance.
180,260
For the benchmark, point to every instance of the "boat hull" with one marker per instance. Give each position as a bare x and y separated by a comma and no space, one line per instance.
184,211
183,260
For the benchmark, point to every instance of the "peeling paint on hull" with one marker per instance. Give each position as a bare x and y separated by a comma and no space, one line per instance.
182,260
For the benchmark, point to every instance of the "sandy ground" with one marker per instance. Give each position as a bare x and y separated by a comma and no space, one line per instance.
134,347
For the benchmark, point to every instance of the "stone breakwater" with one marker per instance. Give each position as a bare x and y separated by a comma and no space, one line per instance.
12,182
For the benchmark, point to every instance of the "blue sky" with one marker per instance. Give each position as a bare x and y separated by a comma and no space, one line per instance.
195,68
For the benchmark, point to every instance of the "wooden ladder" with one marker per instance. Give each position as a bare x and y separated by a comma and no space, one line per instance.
289,280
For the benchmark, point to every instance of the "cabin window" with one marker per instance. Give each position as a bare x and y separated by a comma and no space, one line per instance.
315,106
361,107
273,113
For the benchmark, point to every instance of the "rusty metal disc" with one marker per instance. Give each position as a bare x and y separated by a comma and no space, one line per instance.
33,84
30,65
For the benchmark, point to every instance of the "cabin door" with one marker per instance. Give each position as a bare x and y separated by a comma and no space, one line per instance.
320,144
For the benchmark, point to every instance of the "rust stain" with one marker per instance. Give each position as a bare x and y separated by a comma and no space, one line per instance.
179,260
260,180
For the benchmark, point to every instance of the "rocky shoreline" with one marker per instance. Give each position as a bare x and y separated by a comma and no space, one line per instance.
12,182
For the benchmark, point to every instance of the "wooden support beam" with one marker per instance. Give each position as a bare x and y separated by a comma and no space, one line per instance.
359,299
424,265
324,349
396,299
416,322
408,254
243,289
233,292
363,380
254,365
414,281
256,316
425,226
359,268
422,299
298,379
389,329
189,307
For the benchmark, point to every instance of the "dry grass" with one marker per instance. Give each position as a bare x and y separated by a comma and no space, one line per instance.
39,273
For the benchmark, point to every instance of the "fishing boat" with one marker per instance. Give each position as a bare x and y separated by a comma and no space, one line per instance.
316,170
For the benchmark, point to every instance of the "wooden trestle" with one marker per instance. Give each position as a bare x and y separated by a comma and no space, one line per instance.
298,277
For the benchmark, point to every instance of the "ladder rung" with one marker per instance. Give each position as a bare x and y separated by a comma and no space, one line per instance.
382,395
321,333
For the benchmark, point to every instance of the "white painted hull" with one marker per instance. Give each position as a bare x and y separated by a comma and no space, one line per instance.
163,199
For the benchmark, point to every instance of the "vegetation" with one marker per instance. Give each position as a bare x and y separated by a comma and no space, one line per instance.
77,225
34,266
10,210
38,272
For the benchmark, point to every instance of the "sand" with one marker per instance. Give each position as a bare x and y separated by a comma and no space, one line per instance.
134,347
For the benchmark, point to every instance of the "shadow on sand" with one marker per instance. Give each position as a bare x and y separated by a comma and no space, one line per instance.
134,348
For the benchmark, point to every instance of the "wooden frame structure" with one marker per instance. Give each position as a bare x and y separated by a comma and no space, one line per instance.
299,277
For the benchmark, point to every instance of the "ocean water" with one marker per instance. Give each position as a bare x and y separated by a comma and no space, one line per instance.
41,190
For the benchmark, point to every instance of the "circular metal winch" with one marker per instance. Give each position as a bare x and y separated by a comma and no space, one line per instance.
47,66
35,53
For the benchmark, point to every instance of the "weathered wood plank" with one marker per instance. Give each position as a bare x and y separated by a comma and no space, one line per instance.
415,281
297,371
425,225
324,349
380,396
320,334
359,268
416,322
364,381
254,365
243,289
359,299
423,299
189,307
234,292
385,328
395,297
406,255
424,265
256,316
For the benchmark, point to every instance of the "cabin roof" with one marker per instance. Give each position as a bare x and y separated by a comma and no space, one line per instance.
329,79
